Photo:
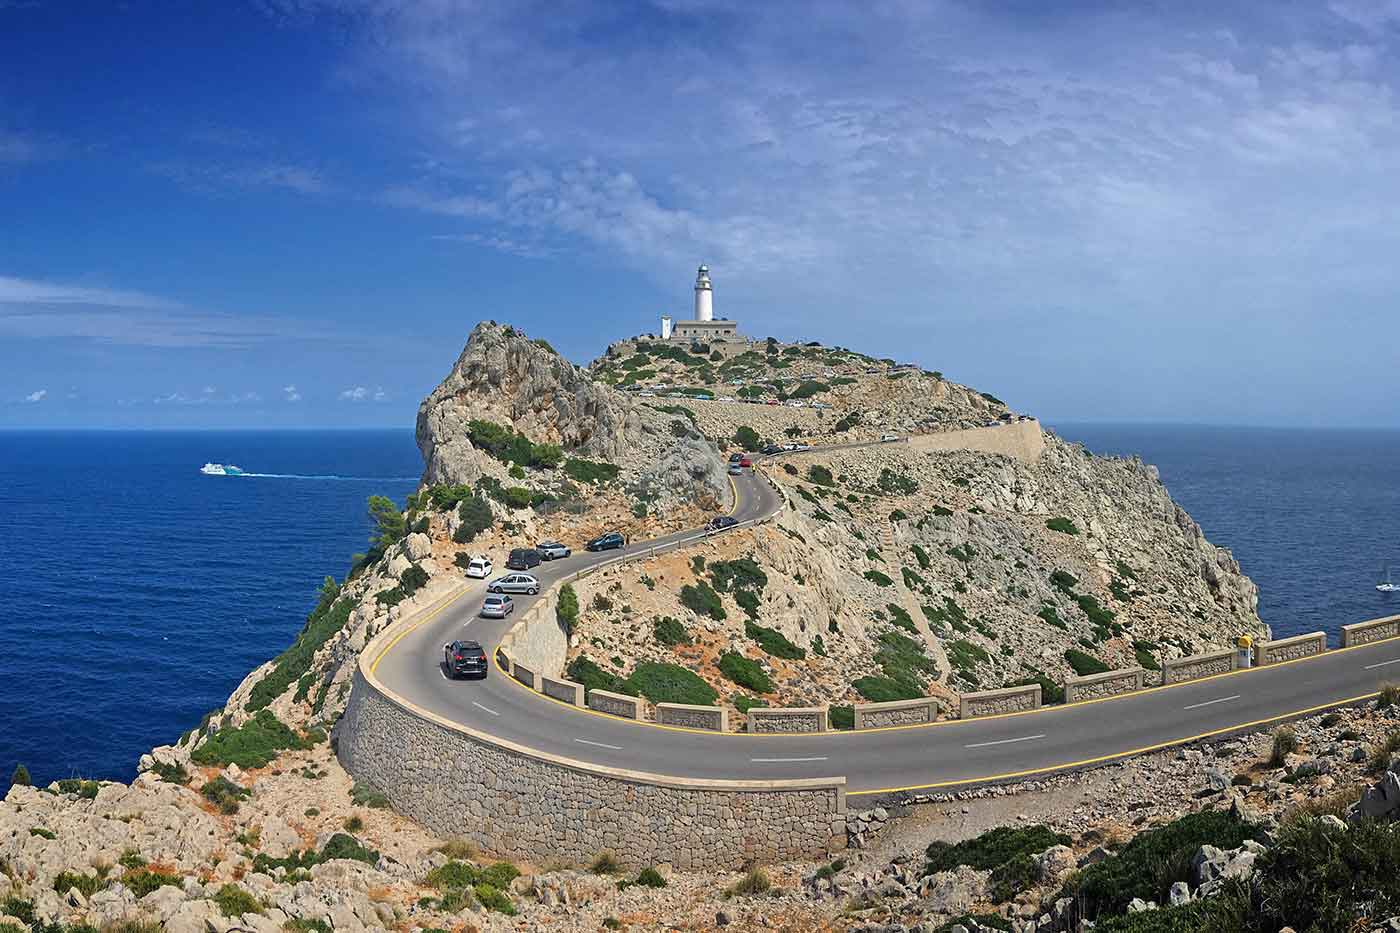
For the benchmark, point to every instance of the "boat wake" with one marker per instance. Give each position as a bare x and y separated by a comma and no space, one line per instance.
220,469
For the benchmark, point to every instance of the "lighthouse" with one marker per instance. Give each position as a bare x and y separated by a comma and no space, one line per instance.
704,296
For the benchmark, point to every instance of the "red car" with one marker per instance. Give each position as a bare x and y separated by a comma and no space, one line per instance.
745,462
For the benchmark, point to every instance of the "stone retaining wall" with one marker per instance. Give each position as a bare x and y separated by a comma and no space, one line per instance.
617,704
1196,666
1289,649
896,713
565,690
1021,439
787,719
1107,684
713,718
537,640
995,702
1363,633
514,801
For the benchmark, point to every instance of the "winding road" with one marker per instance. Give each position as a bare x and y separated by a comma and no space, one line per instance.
879,761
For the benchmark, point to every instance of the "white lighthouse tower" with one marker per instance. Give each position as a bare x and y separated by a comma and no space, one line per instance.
704,296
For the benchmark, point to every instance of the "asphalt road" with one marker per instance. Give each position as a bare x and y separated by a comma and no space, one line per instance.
944,754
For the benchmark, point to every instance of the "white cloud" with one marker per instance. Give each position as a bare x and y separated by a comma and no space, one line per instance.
291,394
37,396
357,394
212,177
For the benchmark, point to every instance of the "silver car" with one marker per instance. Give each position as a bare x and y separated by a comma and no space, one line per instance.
552,550
514,583
497,607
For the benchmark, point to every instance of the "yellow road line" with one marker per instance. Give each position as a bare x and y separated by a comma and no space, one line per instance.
432,614
1084,762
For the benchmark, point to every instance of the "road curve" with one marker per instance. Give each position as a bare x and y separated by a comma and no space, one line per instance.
906,758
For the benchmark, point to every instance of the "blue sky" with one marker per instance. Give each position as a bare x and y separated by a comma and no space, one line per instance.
292,213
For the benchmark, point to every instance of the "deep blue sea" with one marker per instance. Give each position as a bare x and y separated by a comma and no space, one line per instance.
139,592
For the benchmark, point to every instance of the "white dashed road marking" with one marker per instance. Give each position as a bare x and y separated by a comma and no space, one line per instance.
485,708
787,759
616,748
1382,664
1024,738
1212,702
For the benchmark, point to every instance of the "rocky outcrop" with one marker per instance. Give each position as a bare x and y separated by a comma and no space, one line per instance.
506,378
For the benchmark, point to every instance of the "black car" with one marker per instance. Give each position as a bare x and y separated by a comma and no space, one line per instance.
523,558
464,657
721,522
772,449
736,457
607,542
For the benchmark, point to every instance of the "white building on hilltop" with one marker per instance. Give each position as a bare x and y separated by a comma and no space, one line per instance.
703,328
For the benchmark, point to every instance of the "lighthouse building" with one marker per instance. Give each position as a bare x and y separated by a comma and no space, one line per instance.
702,328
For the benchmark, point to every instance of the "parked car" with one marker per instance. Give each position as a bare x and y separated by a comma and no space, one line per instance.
801,446
772,449
607,542
514,583
746,462
497,606
464,657
887,438
735,470
523,558
552,550
735,457
721,522
480,567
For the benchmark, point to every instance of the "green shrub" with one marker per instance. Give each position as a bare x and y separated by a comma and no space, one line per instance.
253,745
83,788
1064,581
131,859
590,471
702,600
773,642
566,610
364,795
476,516
142,881
964,553
744,672
650,878
224,794
605,863
452,875
841,717
1149,864
741,574
233,901
510,446
20,777
43,833
348,847
671,683
500,875
1084,664
1050,692
1145,658
88,885
883,690
991,849
324,622
492,898
582,670
921,556
746,438
877,578
1052,617
1062,525
1388,696
1098,615
903,659
1380,755
900,617
1285,743
965,655
755,881
669,631
820,475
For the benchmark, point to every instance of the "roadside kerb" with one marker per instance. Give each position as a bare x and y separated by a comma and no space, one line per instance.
1290,649
787,719
1107,684
997,702
561,689
691,716
1363,633
896,713
1196,666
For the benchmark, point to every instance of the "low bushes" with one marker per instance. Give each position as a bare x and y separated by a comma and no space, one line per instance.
671,632
671,683
882,690
328,618
1285,744
1062,525
1084,664
702,600
1006,852
476,516
566,610
224,794
253,745
745,672
233,901
773,642
590,471
878,578
820,475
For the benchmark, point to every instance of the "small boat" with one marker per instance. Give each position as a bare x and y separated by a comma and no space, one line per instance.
1386,586
220,469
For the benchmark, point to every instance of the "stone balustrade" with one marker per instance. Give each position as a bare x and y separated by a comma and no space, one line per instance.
523,674
565,690
710,718
997,702
787,719
616,704
1290,649
1196,666
1107,684
896,713
1363,633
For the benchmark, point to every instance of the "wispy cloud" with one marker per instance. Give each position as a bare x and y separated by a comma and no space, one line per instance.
37,395
290,393
363,394
213,177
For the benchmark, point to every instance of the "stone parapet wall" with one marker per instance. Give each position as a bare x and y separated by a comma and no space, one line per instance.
1290,649
565,690
896,713
1196,666
1107,684
711,718
1363,633
615,704
997,702
787,719
523,674
1020,439
537,640
514,801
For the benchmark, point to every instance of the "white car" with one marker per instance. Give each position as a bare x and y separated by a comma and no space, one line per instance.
480,568
890,438
497,607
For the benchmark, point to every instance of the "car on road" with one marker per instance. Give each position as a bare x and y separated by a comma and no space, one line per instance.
515,583
772,449
735,457
523,558
800,447
552,550
464,657
721,522
497,606
607,542
746,463
735,470
889,438
480,567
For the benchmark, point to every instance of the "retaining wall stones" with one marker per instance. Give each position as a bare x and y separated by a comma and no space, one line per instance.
1021,439
713,718
1107,684
537,640
1363,633
523,674
994,702
565,690
618,704
896,713
1289,649
787,719
1196,666
514,801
